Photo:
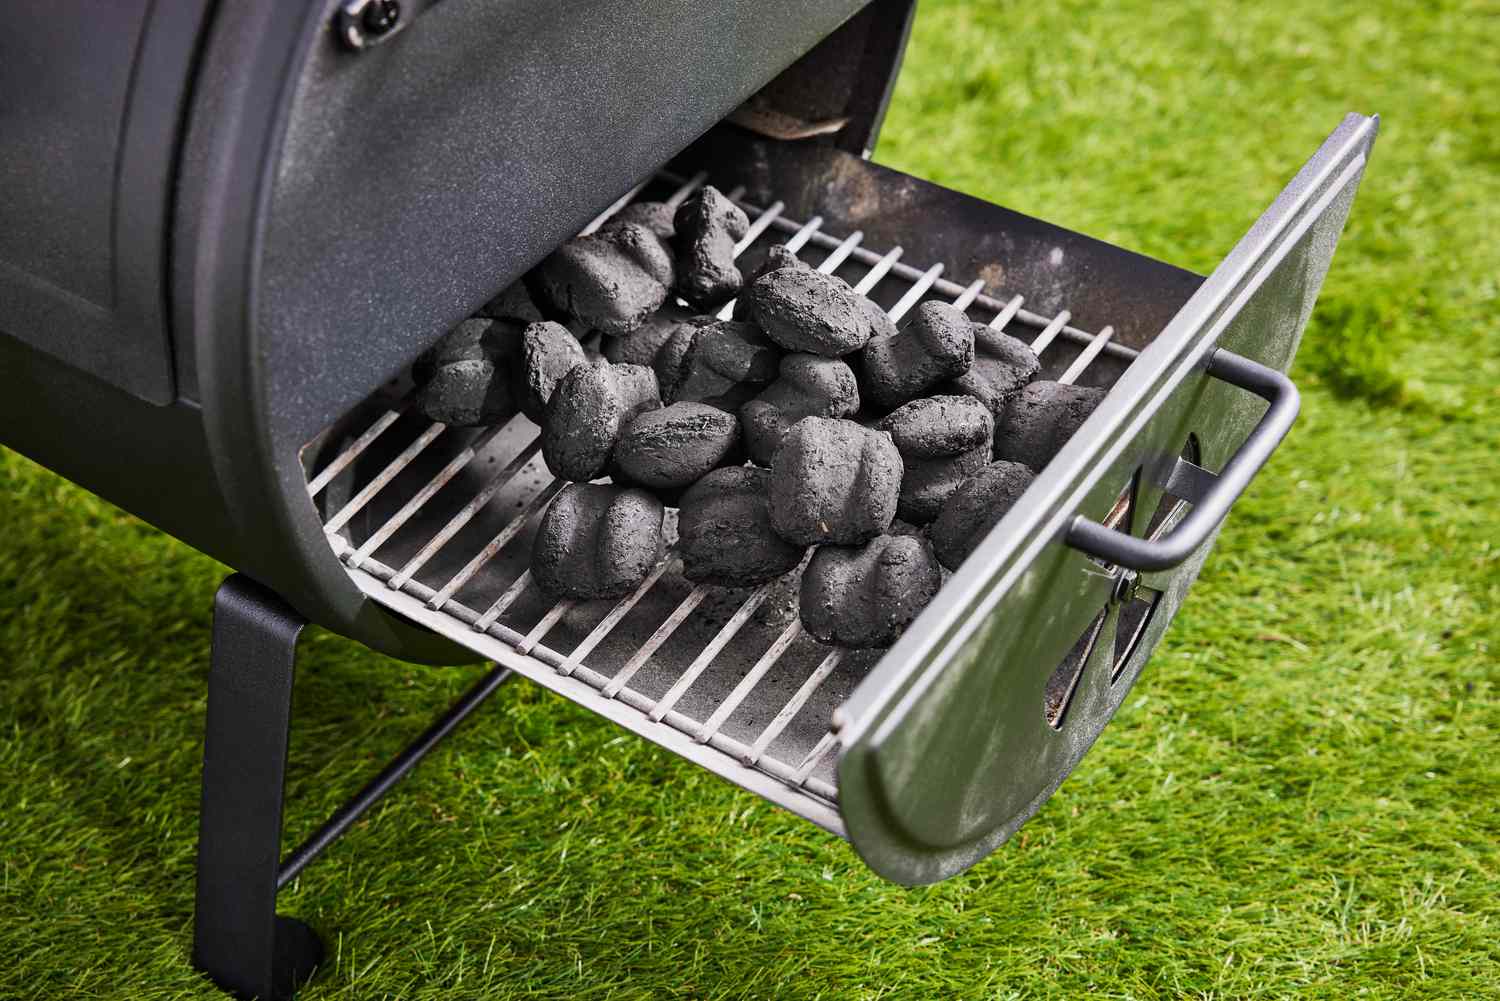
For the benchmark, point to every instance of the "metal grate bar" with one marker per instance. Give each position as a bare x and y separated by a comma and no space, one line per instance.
663,633
386,475
799,239
966,299
841,252
620,203
1049,333
916,292
1086,356
728,632
502,538
759,226
794,706
506,599
749,681
432,486
608,623
676,198
466,514
348,455
817,754
544,626
1008,313
884,264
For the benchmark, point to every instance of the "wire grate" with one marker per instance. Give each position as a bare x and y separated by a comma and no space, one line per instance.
712,673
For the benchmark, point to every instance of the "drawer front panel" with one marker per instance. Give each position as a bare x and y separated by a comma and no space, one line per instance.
993,696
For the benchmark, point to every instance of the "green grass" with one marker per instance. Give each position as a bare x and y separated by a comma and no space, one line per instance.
1300,798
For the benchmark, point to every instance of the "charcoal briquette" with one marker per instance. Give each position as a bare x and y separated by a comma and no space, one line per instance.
943,440
642,345
936,344
974,508
707,227
834,481
464,379
1002,367
588,410
864,596
724,530
610,281
549,351
805,310
597,541
655,216
674,446
806,386
775,257
514,305
1040,419
724,365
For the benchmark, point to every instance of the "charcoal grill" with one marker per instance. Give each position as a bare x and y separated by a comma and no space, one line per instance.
282,223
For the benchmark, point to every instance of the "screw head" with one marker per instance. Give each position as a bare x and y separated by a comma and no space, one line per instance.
380,16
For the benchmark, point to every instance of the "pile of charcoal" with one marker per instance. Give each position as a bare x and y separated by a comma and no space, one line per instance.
805,419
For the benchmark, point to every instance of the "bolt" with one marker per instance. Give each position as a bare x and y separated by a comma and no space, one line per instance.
1125,586
380,16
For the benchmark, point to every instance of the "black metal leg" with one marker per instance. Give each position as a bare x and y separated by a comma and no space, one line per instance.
238,940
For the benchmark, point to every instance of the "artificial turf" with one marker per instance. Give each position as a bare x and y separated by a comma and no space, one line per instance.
1301,797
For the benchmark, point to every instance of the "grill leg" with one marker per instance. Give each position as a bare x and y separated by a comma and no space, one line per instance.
238,939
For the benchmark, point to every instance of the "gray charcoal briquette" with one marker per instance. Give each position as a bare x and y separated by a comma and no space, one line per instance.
776,256
724,530
1002,367
655,216
475,339
586,414
834,481
808,311
806,386
974,508
643,344
463,379
881,324
936,344
466,394
864,597
943,440
513,304
549,351
707,227
597,541
610,281
1040,419
672,447
725,364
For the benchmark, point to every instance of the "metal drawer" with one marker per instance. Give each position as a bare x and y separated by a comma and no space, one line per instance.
926,757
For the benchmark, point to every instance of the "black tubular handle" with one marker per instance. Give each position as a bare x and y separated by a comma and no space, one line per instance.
1170,550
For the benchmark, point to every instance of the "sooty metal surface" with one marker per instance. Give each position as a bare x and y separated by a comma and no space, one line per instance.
436,523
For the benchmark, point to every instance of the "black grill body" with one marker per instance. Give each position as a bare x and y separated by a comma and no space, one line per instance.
223,227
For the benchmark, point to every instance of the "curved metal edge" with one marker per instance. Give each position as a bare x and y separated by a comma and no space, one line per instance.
914,664
245,87
1167,552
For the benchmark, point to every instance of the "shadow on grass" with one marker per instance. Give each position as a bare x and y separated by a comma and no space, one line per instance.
1353,346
